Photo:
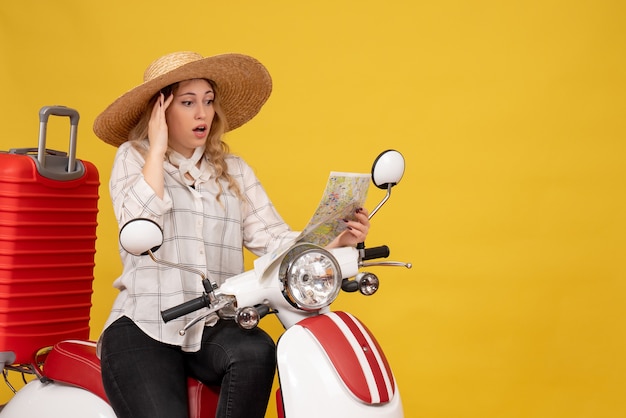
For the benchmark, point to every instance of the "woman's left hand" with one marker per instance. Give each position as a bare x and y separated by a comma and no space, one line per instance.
355,232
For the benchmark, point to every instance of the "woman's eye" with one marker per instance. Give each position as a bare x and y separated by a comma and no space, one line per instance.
186,102
208,102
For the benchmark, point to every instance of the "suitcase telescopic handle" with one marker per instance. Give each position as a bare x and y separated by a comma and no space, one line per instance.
44,115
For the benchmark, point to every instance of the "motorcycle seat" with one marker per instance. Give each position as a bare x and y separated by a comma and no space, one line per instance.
75,362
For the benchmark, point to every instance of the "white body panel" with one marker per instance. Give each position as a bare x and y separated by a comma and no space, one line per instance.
251,290
55,400
347,257
261,283
311,387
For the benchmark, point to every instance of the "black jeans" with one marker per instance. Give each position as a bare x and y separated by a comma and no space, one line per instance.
145,378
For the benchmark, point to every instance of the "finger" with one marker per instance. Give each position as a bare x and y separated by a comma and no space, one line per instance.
360,223
168,101
357,229
357,235
156,106
362,218
362,213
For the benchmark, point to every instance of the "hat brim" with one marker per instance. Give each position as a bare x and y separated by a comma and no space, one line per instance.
243,85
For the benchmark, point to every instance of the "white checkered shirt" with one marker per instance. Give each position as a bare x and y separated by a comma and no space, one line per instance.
199,231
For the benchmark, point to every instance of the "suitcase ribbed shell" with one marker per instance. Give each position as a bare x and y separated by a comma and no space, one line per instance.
47,249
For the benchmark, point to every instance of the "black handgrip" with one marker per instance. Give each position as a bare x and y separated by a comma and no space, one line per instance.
185,308
262,309
349,286
376,252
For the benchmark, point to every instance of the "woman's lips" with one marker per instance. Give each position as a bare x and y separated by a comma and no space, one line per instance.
200,131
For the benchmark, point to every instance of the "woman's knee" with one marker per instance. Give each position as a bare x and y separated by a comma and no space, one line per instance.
249,346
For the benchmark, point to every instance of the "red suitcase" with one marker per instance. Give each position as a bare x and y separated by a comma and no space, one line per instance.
48,219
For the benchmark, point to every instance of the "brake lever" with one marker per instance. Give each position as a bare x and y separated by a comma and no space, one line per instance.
216,307
386,263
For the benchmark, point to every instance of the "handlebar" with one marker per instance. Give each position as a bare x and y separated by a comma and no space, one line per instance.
375,252
186,308
204,301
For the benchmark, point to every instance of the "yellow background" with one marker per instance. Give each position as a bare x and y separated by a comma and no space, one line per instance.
510,115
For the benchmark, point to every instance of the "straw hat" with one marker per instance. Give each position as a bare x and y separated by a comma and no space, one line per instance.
243,86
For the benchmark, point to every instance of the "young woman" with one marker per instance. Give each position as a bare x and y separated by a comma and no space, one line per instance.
173,167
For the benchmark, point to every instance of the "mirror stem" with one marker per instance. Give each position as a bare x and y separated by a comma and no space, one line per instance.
382,202
178,266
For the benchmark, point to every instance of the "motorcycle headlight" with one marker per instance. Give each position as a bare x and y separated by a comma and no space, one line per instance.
310,276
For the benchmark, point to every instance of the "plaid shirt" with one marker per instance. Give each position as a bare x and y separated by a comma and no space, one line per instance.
200,232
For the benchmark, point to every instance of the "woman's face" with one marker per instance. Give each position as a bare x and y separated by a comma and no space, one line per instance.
190,115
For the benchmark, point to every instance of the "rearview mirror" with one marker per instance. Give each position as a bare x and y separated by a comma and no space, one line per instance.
141,236
387,171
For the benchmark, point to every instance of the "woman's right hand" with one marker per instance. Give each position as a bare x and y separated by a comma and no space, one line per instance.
157,126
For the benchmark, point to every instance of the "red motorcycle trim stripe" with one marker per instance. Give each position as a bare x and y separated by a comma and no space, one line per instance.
377,369
355,355
377,360
341,354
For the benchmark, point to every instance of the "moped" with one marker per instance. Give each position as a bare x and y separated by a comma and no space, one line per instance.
329,364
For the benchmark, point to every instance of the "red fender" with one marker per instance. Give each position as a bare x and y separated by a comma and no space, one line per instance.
355,355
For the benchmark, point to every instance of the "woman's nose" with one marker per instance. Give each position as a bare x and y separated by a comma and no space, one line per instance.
201,113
